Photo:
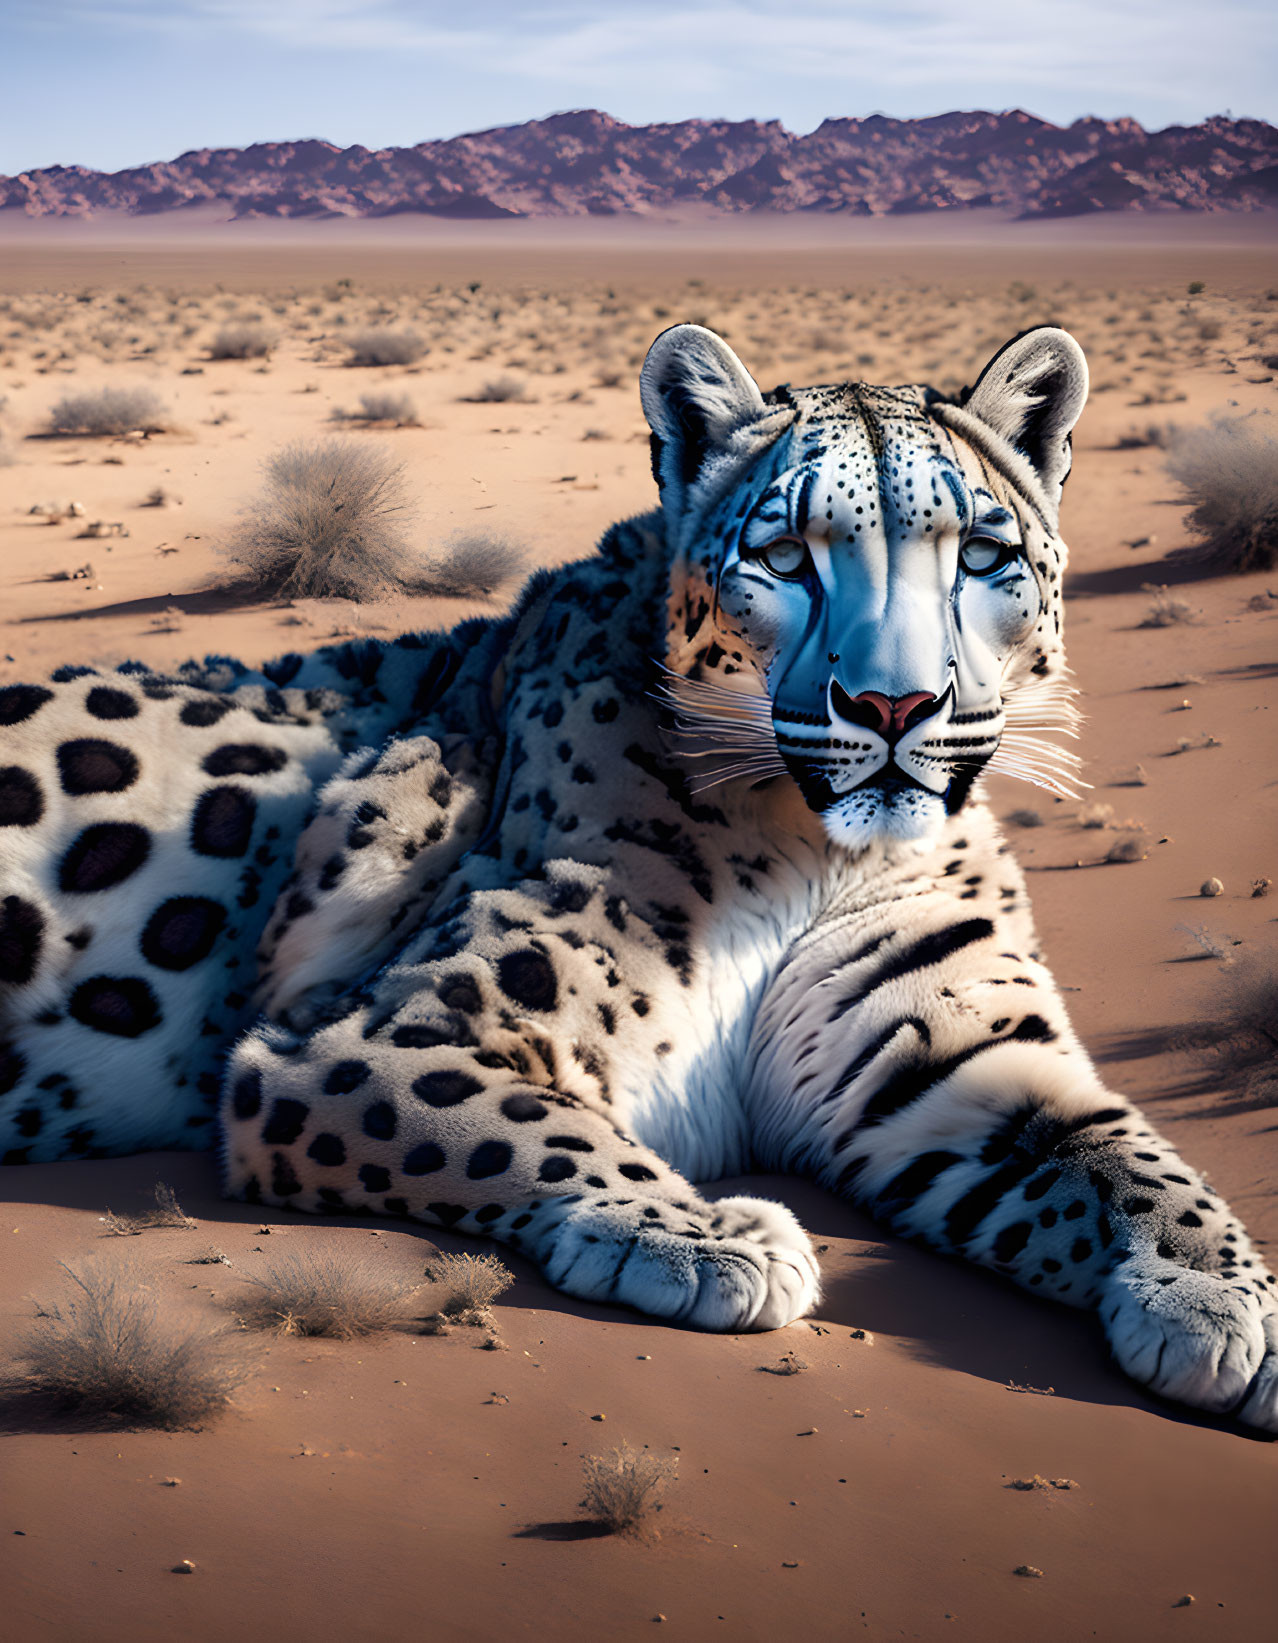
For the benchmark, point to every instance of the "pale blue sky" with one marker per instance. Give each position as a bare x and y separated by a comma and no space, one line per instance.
111,83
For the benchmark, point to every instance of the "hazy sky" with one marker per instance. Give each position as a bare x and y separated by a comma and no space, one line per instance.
110,83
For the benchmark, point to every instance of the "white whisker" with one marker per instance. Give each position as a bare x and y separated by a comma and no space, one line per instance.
731,728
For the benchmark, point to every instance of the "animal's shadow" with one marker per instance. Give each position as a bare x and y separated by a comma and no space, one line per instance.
944,1311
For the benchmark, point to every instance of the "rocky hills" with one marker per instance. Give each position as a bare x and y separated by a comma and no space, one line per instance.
587,163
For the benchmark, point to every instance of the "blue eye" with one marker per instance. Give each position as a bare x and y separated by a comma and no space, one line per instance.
983,556
787,558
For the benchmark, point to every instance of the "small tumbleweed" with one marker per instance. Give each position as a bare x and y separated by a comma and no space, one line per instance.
624,1487
327,1295
471,1283
105,1348
167,1213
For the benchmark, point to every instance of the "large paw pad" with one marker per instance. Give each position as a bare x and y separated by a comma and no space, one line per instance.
1197,1338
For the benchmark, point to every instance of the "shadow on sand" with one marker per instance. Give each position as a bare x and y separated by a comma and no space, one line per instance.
942,1310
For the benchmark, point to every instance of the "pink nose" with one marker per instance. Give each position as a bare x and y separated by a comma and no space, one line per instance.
890,716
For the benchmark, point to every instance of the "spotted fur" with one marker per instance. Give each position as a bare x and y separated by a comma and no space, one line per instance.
679,869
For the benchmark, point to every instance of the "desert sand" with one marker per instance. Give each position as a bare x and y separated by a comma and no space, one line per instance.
417,1485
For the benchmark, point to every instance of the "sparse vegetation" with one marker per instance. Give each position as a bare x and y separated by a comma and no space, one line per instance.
397,409
1229,471
96,413
385,348
474,566
105,1350
331,522
245,340
625,1486
1157,434
1239,1035
340,1297
167,1213
470,1285
1130,847
1166,610
499,391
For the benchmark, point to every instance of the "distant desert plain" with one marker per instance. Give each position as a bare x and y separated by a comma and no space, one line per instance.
941,1430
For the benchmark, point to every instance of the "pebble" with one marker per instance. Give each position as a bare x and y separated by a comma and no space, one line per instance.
1183,1602
1028,1571
186,1567
1211,887
599,1417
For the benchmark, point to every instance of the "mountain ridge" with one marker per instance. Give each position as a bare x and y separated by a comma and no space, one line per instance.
585,162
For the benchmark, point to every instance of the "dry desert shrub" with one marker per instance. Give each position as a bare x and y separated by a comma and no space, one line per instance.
1130,847
1166,610
625,1486
499,391
105,1350
385,348
167,1213
247,340
471,1283
1239,1038
1160,435
328,1295
330,522
398,409
1229,471
101,411
473,566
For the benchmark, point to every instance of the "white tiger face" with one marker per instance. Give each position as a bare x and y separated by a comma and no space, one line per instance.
868,581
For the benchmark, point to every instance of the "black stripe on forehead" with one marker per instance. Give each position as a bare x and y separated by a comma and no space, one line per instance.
802,502
952,479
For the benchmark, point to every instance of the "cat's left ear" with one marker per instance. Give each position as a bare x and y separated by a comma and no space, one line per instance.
1031,394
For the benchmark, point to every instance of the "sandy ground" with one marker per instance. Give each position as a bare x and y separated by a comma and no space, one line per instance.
359,1491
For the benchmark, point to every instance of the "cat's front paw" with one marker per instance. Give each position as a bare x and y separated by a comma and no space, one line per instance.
1195,1337
742,1263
